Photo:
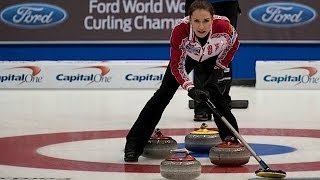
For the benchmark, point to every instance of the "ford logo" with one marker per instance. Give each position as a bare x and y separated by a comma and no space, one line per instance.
282,14
33,15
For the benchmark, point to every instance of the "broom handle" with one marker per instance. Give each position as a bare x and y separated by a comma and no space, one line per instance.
226,122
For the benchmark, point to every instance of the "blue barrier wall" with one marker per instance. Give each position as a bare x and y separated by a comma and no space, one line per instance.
243,64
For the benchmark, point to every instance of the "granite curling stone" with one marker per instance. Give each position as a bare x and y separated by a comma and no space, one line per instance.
202,139
159,146
184,167
229,154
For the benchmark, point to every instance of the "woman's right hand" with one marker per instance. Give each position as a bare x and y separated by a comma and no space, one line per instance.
198,94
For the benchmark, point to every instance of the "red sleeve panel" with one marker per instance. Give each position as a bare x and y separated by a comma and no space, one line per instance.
178,55
231,36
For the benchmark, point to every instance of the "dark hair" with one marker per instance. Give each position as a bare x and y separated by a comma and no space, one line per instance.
201,4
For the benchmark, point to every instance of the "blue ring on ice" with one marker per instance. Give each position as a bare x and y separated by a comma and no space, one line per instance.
260,149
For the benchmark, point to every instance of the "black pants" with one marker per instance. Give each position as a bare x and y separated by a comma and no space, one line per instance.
150,115
231,10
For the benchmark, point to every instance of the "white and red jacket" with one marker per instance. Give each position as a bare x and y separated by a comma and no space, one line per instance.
222,42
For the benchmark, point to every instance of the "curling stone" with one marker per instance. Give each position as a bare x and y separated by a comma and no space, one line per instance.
202,139
180,167
159,146
229,154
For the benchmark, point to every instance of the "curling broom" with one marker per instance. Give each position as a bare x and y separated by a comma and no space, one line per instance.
265,171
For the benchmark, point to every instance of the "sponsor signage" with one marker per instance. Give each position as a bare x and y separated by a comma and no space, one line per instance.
23,75
33,15
79,74
147,21
288,75
265,21
95,75
89,21
282,15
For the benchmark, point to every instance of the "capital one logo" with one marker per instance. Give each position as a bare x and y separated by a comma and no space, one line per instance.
282,14
14,76
91,77
306,76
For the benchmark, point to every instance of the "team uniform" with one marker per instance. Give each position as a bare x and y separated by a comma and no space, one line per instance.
221,43
231,10
215,51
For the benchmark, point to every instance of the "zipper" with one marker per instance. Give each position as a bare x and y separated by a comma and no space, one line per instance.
203,48
201,57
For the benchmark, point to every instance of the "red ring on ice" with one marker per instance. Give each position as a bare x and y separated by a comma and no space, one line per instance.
22,151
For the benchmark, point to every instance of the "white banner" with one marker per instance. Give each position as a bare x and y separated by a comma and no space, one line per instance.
82,74
287,75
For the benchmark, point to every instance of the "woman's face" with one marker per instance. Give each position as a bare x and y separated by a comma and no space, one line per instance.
201,22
